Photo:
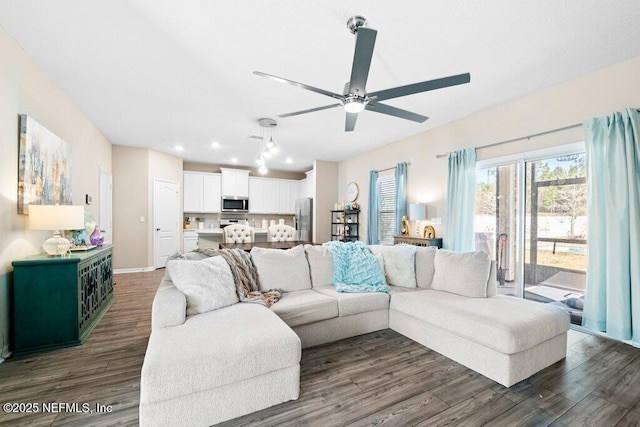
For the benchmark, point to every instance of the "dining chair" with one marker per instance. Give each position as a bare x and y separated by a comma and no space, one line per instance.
281,233
239,233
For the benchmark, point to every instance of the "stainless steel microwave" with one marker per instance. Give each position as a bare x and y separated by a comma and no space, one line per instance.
235,204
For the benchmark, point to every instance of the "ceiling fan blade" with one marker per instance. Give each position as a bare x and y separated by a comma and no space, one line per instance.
421,87
365,41
300,85
310,110
350,123
396,112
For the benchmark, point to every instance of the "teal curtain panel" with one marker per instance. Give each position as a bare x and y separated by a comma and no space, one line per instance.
401,195
461,201
612,298
372,217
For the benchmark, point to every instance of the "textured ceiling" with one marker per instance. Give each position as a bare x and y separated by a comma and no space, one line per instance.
160,73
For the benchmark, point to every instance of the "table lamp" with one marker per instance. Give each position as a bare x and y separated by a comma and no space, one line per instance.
417,213
56,218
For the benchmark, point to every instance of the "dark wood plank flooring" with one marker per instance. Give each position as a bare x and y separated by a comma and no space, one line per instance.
374,379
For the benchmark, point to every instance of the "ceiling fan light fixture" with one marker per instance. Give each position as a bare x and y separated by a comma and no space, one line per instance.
354,105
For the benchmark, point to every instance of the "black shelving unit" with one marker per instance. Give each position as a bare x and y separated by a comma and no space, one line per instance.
345,225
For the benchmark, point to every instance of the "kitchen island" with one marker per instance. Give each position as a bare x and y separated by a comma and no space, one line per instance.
212,237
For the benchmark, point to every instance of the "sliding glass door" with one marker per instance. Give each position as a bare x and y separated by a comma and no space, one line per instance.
498,222
531,219
556,232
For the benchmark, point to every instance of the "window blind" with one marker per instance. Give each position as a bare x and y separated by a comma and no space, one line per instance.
386,208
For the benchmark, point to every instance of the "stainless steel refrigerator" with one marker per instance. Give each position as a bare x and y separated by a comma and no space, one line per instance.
304,219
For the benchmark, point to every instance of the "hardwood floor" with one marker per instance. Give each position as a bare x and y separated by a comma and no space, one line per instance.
379,378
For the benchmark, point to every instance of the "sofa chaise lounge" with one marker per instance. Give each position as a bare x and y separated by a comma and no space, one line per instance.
199,369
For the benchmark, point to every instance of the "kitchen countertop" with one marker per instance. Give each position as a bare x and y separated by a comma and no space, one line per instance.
218,231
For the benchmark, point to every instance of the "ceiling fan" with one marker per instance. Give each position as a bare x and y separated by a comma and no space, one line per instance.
355,98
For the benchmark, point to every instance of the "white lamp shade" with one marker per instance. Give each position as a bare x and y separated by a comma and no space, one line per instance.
56,217
417,211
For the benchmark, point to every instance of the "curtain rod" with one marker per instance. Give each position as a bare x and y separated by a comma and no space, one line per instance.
392,167
520,138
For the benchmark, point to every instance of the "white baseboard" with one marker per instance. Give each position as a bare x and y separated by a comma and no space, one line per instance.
133,270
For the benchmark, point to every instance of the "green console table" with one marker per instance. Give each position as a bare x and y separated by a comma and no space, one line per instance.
58,301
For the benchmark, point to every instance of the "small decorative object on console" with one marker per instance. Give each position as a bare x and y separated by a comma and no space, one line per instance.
429,232
96,237
404,229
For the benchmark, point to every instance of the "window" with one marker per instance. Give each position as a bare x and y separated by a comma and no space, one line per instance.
386,207
531,218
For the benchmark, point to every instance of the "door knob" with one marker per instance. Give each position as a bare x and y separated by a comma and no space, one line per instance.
157,229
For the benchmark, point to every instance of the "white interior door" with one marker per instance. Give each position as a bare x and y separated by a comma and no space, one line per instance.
166,213
105,219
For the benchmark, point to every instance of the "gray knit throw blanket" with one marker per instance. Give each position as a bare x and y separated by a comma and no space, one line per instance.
245,276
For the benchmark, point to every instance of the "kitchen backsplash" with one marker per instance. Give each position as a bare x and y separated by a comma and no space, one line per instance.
215,218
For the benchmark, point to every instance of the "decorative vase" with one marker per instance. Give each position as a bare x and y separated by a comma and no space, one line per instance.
96,237
404,229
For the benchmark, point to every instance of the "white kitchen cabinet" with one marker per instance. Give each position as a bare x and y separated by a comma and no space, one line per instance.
257,196
311,183
192,193
201,192
235,182
211,197
288,195
189,240
302,188
272,194
284,206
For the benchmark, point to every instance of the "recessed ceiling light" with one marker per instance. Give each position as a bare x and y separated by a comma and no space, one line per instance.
289,160
178,147
215,145
234,160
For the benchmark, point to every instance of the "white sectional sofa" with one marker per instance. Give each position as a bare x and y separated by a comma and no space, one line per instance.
199,369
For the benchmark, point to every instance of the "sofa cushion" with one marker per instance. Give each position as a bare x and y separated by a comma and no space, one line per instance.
400,289
425,267
287,270
302,307
354,303
320,265
169,307
216,348
399,264
460,273
207,284
506,324
355,268
189,256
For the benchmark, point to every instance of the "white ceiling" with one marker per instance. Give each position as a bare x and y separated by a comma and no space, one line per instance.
165,72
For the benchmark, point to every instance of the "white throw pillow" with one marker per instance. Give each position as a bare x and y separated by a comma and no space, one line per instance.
459,273
399,264
320,265
287,270
207,284
425,268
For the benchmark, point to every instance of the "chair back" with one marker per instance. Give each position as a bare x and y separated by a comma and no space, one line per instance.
239,233
281,233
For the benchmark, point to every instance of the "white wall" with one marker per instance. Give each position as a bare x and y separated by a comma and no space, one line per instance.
26,89
134,170
575,101
326,175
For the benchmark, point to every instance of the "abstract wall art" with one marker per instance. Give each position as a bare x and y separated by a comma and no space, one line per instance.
44,167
